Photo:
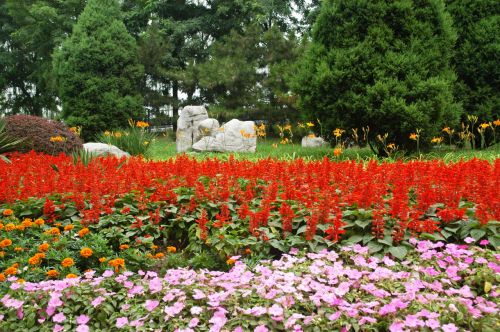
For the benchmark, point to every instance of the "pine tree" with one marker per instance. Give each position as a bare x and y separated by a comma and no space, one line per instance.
382,64
98,72
476,61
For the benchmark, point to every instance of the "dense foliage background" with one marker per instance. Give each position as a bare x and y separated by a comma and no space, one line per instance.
420,64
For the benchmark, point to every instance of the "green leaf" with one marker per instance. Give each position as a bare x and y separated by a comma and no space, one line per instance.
374,247
398,252
302,229
354,239
477,233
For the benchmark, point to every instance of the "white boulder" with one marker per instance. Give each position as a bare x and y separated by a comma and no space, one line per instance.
208,127
313,142
102,149
234,136
187,126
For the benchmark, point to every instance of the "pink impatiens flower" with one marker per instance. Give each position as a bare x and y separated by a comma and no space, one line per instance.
450,328
121,322
82,319
261,328
59,318
150,305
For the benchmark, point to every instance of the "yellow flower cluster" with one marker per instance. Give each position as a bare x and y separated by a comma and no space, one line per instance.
58,139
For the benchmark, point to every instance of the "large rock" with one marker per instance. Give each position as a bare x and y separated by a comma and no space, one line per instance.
208,127
102,149
313,142
234,136
187,126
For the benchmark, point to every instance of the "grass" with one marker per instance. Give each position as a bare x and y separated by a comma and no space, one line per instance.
164,148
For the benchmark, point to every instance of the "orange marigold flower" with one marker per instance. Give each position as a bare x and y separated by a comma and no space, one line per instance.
67,262
86,252
18,249
7,212
117,263
52,273
40,222
71,276
102,259
27,222
5,243
69,227
159,255
11,270
230,261
20,227
53,231
149,255
2,254
248,251
1,226
10,227
20,281
83,232
2,277
171,249
124,246
154,246
43,247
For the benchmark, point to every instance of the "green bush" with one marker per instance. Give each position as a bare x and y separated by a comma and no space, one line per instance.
476,60
382,64
42,135
134,140
98,72
7,143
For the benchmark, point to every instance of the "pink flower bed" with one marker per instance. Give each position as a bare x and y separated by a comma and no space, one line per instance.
439,287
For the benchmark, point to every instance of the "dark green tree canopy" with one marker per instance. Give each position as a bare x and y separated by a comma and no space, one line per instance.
382,64
477,55
98,72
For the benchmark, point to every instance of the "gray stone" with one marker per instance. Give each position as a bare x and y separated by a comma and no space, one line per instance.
187,126
313,142
102,149
234,136
208,127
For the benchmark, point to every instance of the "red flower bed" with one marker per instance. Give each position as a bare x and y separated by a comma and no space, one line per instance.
420,196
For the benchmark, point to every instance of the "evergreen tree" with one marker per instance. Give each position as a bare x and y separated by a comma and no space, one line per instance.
29,32
382,64
477,56
98,72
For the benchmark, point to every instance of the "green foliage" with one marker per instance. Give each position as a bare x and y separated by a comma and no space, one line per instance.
380,64
244,78
476,60
134,140
98,72
30,32
7,143
38,134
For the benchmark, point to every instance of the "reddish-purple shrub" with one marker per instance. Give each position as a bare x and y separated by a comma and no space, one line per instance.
37,132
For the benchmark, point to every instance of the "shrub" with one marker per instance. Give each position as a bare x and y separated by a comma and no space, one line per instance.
98,71
134,140
476,61
382,64
42,135
7,143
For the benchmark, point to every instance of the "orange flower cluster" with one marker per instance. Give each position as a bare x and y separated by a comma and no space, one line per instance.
67,262
83,232
36,259
117,263
5,243
86,252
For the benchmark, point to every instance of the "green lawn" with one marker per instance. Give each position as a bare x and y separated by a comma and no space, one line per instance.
164,148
